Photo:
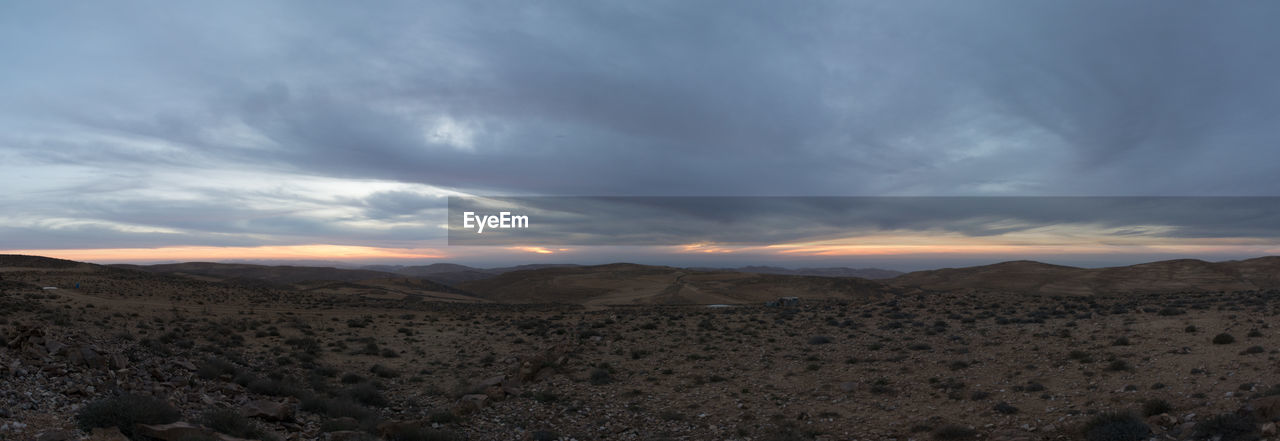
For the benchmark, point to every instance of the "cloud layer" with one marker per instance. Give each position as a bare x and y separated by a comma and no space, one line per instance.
145,124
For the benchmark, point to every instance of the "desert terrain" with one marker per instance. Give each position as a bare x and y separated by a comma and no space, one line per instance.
1016,351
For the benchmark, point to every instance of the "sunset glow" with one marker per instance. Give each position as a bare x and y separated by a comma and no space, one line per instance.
321,252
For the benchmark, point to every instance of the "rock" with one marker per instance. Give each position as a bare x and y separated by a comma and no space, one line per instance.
469,404
1266,408
173,431
267,410
345,422
346,435
491,381
1163,420
57,435
92,359
1269,429
107,434
545,374
54,348
119,361
182,363
495,393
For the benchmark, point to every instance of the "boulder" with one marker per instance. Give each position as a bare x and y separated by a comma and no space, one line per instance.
346,435
267,410
54,348
92,358
57,435
1164,421
491,381
495,393
173,431
107,434
1269,429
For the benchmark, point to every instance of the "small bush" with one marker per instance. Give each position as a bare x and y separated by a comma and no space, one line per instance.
954,431
1113,426
819,340
1122,341
1118,365
1155,406
1227,427
442,416
214,368
1223,339
543,396
383,371
600,377
366,394
1005,408
1080,356
124,412
1253,350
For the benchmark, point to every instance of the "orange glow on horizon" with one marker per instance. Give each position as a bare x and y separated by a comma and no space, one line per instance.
539,250
1031,242
319,252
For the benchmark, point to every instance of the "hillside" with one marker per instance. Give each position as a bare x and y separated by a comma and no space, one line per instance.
1181,275
865,273
452,273
631,284
317,280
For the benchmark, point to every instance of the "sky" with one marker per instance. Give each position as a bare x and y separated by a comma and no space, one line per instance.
173,131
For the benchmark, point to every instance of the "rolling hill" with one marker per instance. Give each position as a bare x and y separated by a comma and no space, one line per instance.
1164,276
631,284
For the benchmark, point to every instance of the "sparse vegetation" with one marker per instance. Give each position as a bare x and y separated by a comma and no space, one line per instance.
1116,426
1227,427
124,412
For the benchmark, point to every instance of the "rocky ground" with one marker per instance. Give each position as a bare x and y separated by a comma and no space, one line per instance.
150,356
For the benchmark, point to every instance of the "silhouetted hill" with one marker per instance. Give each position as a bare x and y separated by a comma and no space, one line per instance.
1164,276
632,284
865,273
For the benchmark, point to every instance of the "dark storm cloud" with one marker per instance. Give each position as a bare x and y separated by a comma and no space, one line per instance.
652,98
774,220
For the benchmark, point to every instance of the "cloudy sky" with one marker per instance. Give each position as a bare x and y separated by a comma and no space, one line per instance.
159,131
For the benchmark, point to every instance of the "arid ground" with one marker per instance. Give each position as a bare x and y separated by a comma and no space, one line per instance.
117,352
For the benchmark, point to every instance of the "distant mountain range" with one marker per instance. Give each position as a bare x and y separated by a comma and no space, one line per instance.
1024,276
452,273
624,283
631,284
865,273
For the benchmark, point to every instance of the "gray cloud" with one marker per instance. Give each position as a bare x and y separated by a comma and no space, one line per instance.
616,98
774,220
